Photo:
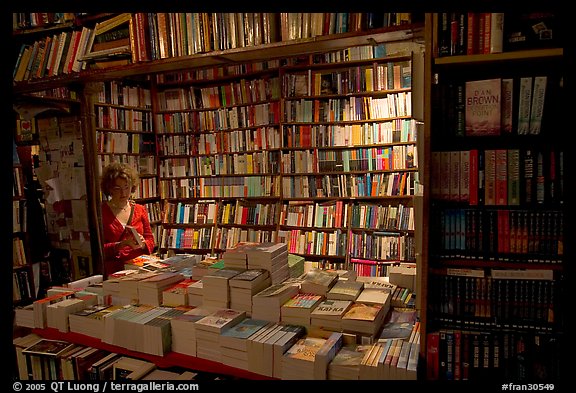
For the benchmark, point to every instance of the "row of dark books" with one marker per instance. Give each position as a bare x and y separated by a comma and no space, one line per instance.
493,301
471,33
366,185
474,355
348,160
499,177
535,236
383,246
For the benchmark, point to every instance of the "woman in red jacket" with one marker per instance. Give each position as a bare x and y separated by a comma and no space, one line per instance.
118,183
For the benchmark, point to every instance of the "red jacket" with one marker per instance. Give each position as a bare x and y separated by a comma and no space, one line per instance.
114,232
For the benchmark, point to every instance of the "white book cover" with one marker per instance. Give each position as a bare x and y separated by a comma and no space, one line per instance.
537,109
525,101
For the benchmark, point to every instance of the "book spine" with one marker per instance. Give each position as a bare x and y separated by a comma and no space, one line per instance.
496,32
524,103
537,107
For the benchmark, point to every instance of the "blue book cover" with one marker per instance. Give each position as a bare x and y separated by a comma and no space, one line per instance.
245,328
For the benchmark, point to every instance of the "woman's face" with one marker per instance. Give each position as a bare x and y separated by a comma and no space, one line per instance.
121,190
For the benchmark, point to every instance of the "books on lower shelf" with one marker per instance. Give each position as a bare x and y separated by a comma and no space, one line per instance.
131,369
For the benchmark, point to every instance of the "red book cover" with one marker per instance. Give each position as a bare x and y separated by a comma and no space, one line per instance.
501,191
483,107
472,34
432,356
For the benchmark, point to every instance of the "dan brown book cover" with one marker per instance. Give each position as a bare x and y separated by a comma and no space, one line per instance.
483,107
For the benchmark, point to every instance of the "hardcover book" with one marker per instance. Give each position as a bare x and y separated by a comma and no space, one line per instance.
483,107
47,347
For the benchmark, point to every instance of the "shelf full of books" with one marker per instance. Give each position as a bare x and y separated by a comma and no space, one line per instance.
292,150
497,203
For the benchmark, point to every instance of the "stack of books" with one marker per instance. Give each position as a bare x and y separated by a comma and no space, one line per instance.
111,287
183,328
267,303
102,369
40,307
291,334
209,329
260,349
318,281
139,262
369,364
326,354
167,375
236,257
234,341
297,309
203,267
180,261
90,320
150,289
42,356
346,363
196,293
20,343
402,297
328,314
345,290
295,265
272,257
378,296
377,282
216,288
177,294
57,313
24,316
119,326
245,285
365,319
344,274
156,332
131,369
128,286
298,361
389,358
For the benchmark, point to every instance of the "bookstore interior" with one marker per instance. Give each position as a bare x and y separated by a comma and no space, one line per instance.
289,196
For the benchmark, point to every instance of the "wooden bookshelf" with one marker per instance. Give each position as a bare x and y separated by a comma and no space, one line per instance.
480,248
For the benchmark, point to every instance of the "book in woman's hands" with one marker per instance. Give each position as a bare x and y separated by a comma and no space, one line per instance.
134,233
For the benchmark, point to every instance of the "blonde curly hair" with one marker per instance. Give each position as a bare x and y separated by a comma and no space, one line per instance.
114,171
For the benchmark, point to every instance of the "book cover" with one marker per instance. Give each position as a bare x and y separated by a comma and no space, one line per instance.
483,107
507,105
537,107
345,290
331,308
47,347
524,105
363,312
134,233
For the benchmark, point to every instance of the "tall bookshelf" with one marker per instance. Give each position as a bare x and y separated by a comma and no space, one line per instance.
22,275
125,133
219,155
181,132
496,258
349,159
